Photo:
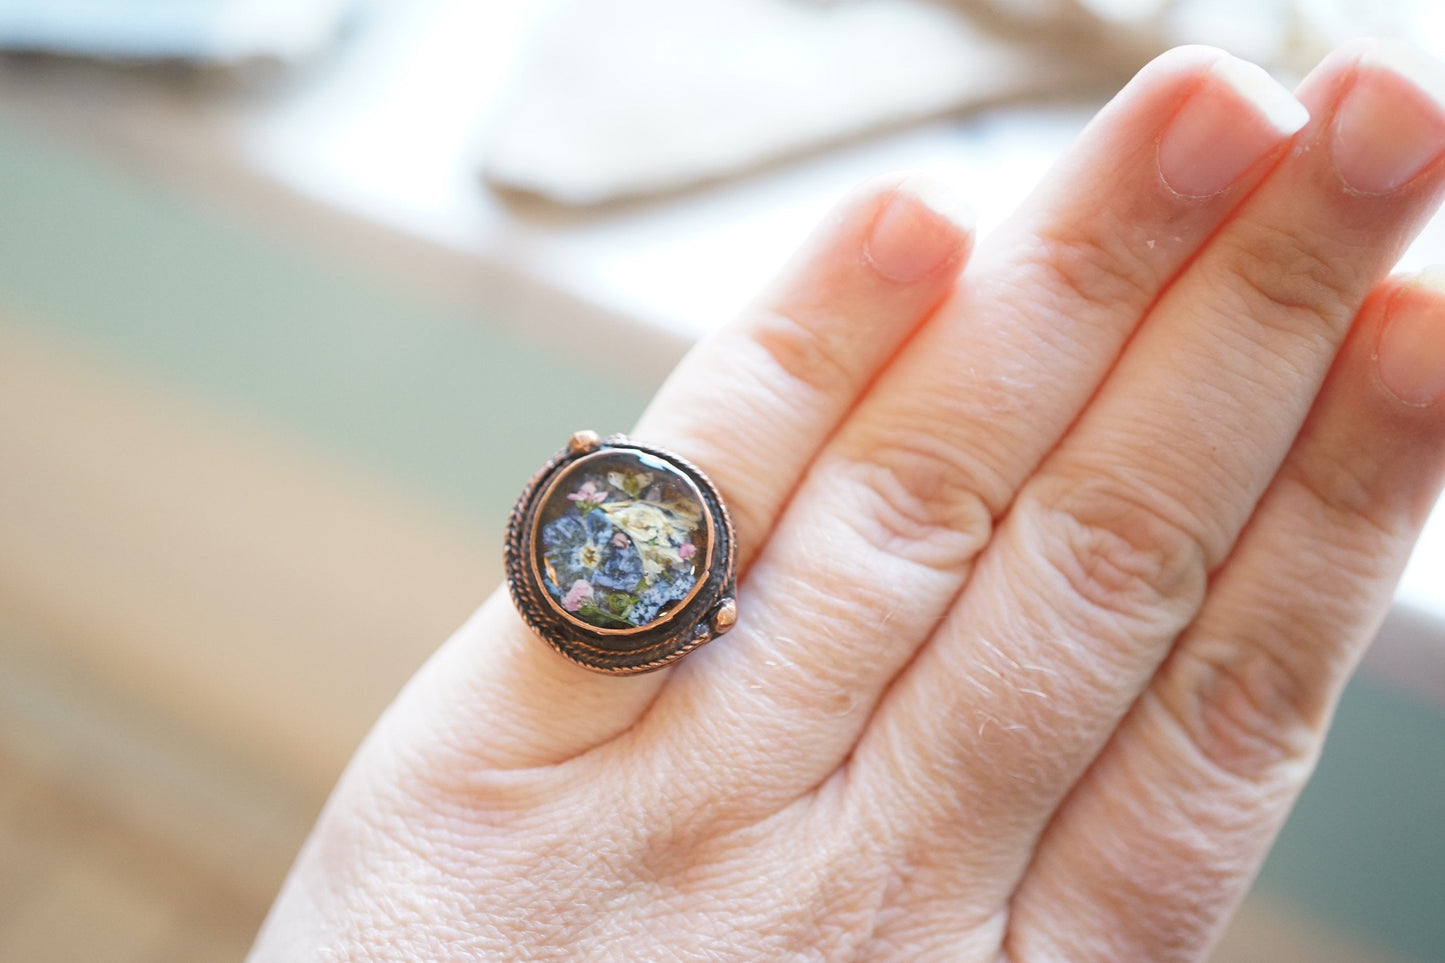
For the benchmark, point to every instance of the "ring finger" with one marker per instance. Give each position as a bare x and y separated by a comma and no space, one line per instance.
1201,773
767,389
1106,552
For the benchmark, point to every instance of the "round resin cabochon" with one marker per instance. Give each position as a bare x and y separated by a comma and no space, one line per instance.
621,540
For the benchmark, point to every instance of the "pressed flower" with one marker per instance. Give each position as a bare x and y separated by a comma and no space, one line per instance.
588,555
643,522
631,482
577,545
576,595
660,596
657,559
589,492
621,571
633,537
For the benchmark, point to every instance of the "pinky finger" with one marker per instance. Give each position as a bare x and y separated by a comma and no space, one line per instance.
1157,843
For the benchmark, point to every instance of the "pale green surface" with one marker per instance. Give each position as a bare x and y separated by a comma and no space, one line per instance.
1366,845
433,397
444,403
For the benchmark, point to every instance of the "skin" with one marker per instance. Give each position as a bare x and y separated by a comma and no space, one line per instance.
1054,565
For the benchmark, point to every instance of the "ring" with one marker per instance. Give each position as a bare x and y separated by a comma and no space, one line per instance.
621,556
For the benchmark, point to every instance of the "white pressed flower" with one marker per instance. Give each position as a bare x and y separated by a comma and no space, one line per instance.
641,521
656,559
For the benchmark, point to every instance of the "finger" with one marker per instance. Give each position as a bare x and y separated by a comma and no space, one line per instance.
885,526
1105,554
1162,836
750,406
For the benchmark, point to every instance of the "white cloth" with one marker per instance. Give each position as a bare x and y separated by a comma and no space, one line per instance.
207,31
621,98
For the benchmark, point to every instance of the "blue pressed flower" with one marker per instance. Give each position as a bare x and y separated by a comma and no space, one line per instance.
577,546
621,570
658,597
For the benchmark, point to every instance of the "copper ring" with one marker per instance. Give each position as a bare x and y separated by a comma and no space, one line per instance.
621,556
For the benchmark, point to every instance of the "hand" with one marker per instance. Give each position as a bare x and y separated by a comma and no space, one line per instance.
1053,569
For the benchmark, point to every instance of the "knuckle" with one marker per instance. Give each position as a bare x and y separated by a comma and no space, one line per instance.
1339,494
808,350
1097,267
917,497
1113,550
1289,283
1247,713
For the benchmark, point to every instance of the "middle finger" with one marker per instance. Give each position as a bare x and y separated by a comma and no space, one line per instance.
1106,553
885,526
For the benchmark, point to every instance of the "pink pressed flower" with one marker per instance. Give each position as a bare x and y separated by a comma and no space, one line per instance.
620,540
687,550
589,492
579,592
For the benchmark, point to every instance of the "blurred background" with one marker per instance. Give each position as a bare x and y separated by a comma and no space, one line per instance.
294,296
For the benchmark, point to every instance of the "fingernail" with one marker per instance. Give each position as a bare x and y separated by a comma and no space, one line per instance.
1238,114
1411,354
923,225
1391,123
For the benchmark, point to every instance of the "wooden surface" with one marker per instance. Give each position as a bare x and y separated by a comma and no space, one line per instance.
198,622
268,596
107,860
